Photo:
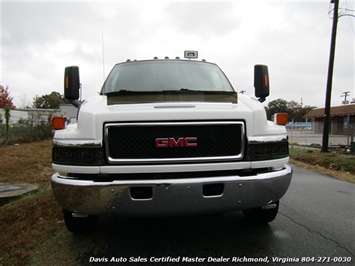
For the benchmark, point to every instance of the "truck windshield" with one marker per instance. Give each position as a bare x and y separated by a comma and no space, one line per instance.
166,75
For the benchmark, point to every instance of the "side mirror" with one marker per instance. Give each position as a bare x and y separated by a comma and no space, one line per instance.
71,83
261,82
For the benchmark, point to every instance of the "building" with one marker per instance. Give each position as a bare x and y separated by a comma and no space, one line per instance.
69,111
299,125
342,119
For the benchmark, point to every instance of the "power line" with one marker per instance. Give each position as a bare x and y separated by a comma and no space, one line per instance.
342,12
301,36
275,30
312,27
352,28
277,56
248,77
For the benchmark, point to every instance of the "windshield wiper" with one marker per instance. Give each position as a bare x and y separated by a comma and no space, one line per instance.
181,90
118,92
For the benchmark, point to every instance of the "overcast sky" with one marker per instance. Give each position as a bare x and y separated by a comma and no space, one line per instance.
39,39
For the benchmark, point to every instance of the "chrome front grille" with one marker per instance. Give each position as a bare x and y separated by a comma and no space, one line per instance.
174,142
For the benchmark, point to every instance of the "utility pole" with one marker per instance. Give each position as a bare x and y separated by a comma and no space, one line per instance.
325,141
345,95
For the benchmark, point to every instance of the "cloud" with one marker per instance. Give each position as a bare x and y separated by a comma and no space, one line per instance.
207,20
40,38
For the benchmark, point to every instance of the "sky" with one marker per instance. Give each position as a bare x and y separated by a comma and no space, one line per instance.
40,38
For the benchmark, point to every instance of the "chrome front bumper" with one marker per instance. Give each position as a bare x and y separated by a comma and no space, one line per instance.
171,196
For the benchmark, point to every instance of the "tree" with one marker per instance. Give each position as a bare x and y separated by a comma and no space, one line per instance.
49,101
294,109
7,122
277,106
297,112
5,99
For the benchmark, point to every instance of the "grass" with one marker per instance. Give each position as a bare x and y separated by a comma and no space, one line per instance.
26,163
336,164
27,223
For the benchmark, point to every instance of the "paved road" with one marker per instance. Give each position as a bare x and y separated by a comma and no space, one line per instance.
323,206
316,221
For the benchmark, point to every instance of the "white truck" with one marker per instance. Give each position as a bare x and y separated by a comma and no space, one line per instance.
169,137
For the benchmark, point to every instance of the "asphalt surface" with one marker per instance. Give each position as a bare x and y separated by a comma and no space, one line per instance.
315,224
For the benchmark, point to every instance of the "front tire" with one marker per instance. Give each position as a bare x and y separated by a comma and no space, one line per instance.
262,215
79,224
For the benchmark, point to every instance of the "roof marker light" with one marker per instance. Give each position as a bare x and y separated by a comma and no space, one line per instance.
191,54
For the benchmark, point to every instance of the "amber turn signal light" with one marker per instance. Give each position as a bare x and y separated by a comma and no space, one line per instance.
58,122
266,80
281,119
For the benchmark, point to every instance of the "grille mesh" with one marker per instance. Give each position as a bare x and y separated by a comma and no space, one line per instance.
139,141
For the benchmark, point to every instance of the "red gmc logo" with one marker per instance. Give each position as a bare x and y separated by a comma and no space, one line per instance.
180,142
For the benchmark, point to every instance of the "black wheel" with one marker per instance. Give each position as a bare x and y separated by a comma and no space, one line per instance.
79,223
262,215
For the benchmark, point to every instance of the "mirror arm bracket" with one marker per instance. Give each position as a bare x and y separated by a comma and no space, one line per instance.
76,103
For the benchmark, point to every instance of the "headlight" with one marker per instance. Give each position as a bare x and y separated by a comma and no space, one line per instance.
267,151
77,156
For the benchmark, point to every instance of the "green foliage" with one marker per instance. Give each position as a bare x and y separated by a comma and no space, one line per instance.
28,130
49,101
7,122
335,161
296,152
295,110
277,106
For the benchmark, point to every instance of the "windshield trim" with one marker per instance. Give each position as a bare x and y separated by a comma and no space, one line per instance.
170,96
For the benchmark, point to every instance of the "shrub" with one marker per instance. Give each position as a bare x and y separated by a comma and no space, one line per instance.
27,130
335,161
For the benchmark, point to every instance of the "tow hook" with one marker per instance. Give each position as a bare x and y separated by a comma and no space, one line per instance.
79,215
269,206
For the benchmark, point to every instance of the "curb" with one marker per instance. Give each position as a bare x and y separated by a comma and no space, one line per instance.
9,192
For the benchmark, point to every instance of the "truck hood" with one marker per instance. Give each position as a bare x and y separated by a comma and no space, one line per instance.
95,112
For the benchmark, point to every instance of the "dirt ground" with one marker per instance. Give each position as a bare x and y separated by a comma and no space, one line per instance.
26,163
26,222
